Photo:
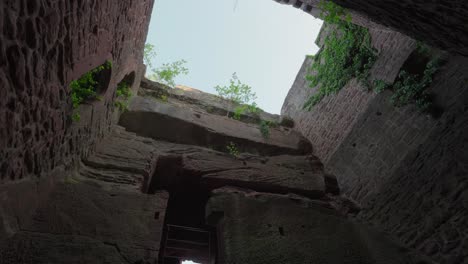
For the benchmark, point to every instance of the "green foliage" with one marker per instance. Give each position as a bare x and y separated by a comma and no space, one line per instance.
245,108
86,87
333,13
76,117
121,105
422,48
169,71
163,98
123,90
123,93
265,128
411,88
232,149
149,53
380,86
236,91
241,94
347,54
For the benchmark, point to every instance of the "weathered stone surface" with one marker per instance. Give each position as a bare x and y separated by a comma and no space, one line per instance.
379,153
424,200
331,120
159,120
122,157
41,248
403,149
126,158
85,220
268,228
311,7
439,23
277,174
44,45
102,214
195,99
19,200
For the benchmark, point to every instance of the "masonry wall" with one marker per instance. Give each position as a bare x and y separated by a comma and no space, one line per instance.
44,45
440,23
311,7
331,120
402,166
424,201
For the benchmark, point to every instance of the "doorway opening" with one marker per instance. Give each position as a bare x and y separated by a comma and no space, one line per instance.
186,236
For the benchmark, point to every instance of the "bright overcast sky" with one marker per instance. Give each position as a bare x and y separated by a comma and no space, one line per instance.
263,41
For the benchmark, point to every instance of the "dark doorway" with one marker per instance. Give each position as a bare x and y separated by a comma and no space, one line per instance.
186,236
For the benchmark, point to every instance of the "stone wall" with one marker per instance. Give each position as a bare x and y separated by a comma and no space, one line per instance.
402,166
311,7
44,45
270,228
331,120
439,23
85,221
424,201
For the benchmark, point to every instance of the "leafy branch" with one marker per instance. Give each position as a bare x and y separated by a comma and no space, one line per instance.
167,72
240,94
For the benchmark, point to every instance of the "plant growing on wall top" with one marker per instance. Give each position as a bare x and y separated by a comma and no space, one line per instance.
149,54
168,72
87,87
348,53
240,94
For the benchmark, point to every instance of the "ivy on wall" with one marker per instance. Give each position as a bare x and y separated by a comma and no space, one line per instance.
347,53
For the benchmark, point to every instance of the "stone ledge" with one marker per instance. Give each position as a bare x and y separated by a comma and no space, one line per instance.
159,120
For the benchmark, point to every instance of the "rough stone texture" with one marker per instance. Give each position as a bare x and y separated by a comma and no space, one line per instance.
268,228
19,201
128,159
403,167
311,7
32,247
376,145
201,101
407,171
122,157
425,199
438,23
150,118
278,174
330,121
44,45
86,221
